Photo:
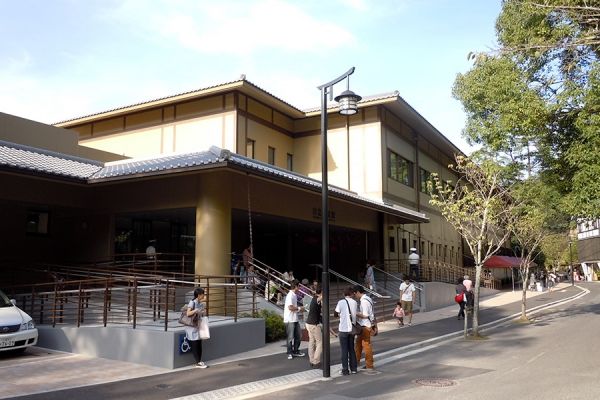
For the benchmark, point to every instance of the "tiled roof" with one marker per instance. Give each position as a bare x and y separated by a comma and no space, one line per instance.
153,166
24,158
19,157
191,92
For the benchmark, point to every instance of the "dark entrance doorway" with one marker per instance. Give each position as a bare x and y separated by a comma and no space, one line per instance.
285,244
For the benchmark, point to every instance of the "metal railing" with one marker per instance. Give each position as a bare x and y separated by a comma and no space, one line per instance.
136,300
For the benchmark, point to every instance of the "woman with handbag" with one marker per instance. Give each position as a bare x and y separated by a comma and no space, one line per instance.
348,328
196,309
460,298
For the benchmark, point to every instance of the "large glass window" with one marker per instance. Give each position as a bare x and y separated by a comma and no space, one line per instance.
400,169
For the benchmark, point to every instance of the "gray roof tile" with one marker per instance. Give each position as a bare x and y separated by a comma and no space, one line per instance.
21,157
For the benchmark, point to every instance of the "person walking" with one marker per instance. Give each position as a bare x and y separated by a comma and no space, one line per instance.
399,314
196,309
314,322
407,290
413,263
461,289
346,310
290,319
468,283
370,276
366,319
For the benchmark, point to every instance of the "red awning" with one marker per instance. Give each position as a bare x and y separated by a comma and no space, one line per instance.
504,262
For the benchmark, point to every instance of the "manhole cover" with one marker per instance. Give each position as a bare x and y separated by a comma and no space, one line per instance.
435,382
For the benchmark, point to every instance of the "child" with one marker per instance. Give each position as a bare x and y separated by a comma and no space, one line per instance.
399,313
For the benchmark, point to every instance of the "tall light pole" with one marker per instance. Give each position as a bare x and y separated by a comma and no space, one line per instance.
347,101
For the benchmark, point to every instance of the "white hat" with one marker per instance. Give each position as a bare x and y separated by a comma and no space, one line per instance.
413,249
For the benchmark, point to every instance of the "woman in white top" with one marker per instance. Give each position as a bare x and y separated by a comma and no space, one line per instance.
196,307
346,310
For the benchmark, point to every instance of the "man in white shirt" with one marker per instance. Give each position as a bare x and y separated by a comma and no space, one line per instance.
290,319
413,263
407,291
366,318
346,310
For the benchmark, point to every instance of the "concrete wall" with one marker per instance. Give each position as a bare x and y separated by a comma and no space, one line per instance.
153,347
438,295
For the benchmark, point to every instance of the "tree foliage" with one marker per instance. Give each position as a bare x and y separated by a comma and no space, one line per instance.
478,206
533,103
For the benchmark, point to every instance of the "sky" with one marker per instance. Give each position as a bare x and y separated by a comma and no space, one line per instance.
61,59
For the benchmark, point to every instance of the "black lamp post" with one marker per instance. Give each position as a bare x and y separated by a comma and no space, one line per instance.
347,101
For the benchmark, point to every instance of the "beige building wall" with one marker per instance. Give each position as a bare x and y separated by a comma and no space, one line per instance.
195,134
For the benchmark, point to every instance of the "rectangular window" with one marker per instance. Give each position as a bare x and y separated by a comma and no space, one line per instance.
290,162
404,246
400,169
271,155
37,222
423,248
250,148
431,250
392,244
424,177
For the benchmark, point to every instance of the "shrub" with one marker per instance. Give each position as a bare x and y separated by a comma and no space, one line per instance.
274,327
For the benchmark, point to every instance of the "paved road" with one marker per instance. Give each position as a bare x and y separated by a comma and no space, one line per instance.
554,357
192,381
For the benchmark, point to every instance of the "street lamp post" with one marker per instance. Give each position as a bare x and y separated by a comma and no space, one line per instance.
347,101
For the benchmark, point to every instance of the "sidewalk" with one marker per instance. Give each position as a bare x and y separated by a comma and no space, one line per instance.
42,371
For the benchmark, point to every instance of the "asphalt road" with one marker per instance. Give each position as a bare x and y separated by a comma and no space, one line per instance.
462,363
556,356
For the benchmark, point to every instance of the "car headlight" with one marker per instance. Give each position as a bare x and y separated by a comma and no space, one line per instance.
27,325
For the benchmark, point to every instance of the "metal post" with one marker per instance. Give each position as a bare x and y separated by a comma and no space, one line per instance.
325,237
326,89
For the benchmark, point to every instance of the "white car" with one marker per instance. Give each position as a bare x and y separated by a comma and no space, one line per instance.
17,331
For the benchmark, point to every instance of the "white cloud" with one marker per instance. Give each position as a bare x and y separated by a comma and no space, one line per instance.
236,28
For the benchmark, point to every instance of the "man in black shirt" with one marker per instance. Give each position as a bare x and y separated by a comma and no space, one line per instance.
314,327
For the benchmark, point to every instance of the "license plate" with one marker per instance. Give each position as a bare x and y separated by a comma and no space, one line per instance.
7,343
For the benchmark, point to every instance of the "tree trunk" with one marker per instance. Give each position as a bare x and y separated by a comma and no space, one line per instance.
525,281
476,287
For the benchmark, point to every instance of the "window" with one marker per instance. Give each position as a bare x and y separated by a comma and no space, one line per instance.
424,177
271,155
290,162
400,169
404,246
250,148
392,244
37,222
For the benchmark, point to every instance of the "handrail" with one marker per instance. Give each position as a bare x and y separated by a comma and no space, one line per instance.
353,283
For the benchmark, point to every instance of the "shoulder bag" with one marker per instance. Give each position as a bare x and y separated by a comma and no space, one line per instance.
356,328
184,319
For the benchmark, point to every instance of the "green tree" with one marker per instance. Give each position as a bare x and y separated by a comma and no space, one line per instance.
478,206
535,216
533,103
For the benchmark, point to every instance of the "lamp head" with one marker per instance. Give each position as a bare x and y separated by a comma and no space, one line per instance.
348,102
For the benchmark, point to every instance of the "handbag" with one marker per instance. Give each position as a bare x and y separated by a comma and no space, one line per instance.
356,328
184,319
459,298
203,329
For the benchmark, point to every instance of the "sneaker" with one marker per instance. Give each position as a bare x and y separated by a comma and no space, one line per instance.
201,365
354,372
342,372
298,354
410,324
290,356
